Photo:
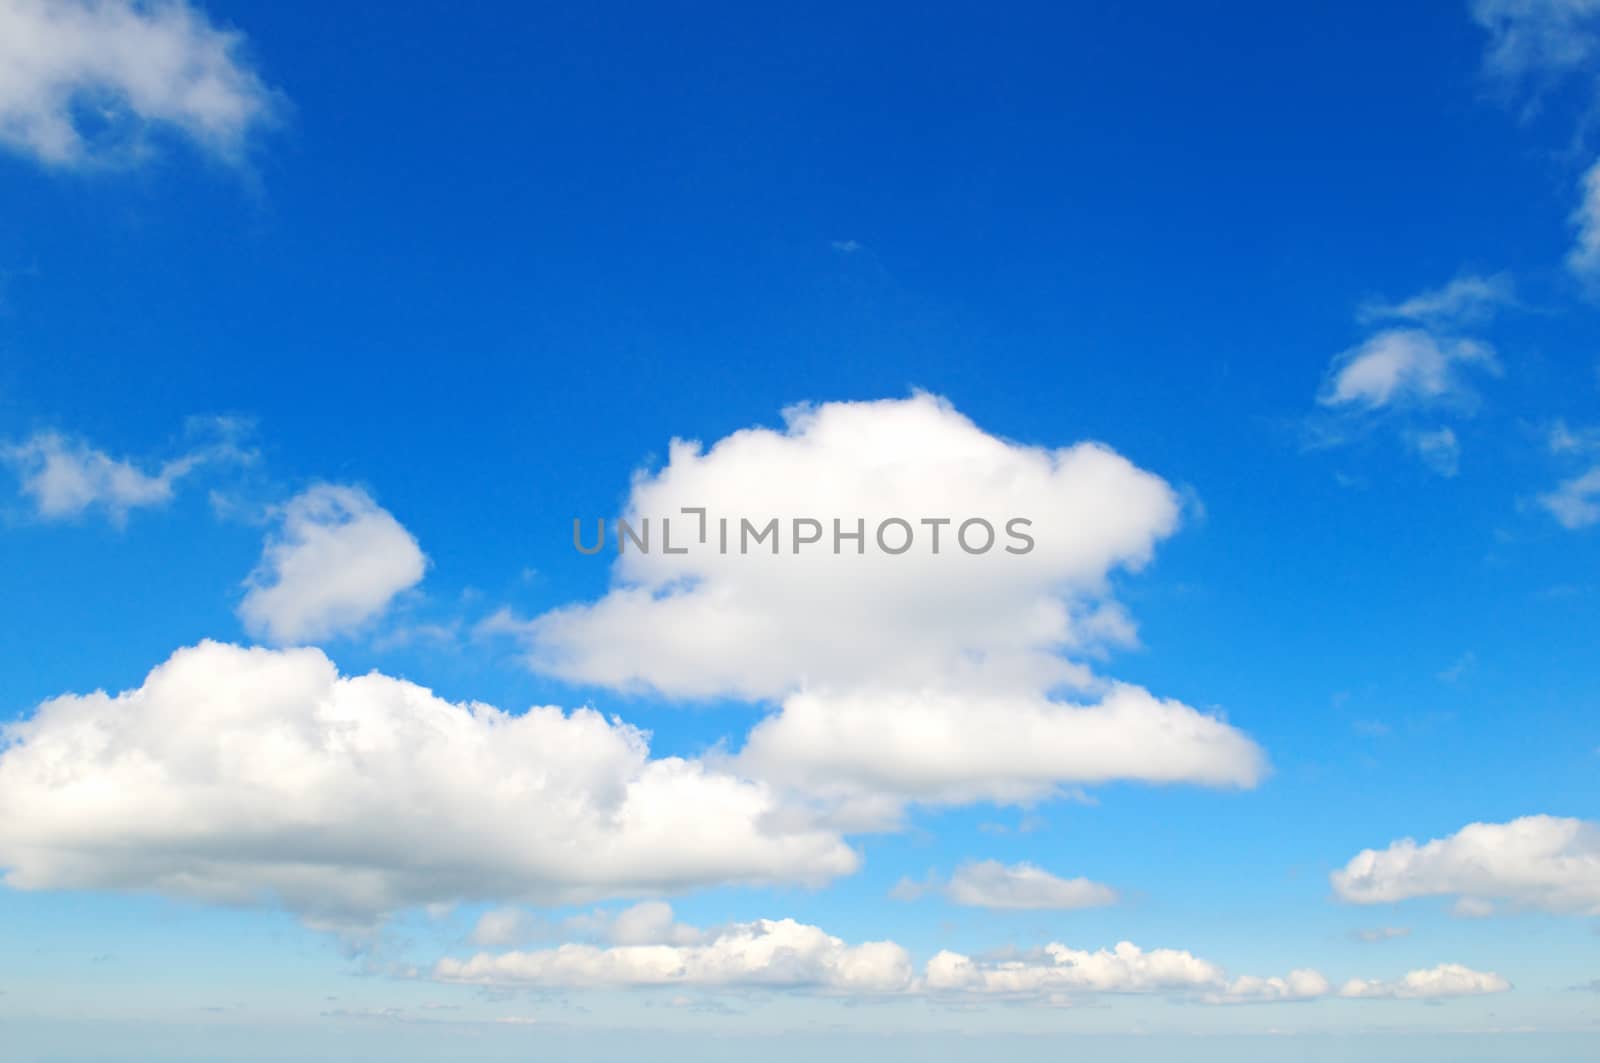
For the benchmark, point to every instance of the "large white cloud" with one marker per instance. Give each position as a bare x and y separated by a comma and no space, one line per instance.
247,775
336,561
991,884
758,625
931,673
134,66
1539,862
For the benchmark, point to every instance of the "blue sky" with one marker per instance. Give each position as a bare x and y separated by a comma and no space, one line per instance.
318,331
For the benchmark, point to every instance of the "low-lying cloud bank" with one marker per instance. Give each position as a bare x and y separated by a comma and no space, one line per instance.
785,954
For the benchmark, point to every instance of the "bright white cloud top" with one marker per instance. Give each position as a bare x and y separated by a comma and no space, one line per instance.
929,674
252,775
1545,863
336,561
137,66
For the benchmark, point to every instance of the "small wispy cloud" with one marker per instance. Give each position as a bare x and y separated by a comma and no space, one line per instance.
991,884
66,477
86,81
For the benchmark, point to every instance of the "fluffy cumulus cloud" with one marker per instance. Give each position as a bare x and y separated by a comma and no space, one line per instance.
336,561
87,80
1059,969
65,477
1538,862
785,954
771,953
924,658
1435,983
241,776
782,954
943,746
991,884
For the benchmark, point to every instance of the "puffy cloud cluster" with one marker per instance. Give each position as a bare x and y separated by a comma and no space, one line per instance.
246,775
785,954
930,674
773,953
1537,862
336,561
134,66
1445,980
1059,970
991,884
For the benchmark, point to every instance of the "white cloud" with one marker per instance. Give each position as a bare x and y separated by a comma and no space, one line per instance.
337,560
1302,984
761,626
649,923
1575,503
1469,297
991,884
500,927
930,673
1536,862
1405,367
771,953
244,776
1538,37
965,745
1584,258
87,80
1435,983
785,954
1059,969
67,477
